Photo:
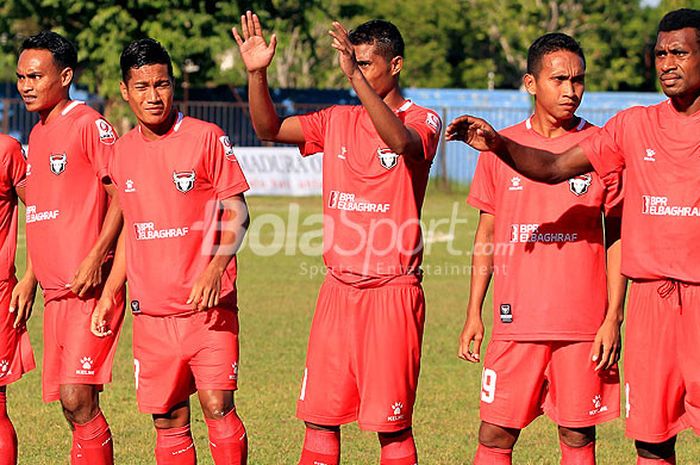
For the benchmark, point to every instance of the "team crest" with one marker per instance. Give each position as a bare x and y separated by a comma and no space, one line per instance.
184,180
579,184
58,162
106,132
387,158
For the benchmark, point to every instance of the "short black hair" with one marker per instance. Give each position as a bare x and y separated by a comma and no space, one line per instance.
680,19
383,34
64,53
550,43
144,52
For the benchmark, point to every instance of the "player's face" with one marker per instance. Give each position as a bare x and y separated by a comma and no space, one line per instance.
559,85
40,82
381,74
678,62
149,92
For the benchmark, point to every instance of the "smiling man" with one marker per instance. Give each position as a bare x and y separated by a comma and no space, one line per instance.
658,150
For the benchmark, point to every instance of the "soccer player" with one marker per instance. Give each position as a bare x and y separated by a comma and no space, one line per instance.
71,232
181,190
364,348
551,301
16,298
657,149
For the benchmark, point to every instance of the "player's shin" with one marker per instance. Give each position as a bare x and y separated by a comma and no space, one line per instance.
398,449
8,437
321,446
92,442
577,455
493,456
667,461
228,440
174,446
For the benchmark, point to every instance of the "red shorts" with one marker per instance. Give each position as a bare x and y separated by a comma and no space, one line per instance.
174,356
16,357
363,357
662,360
72,354
522,380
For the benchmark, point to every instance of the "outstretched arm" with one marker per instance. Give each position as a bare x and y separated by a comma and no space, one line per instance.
536,164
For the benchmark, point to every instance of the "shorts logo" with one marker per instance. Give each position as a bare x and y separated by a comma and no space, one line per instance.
135,307
396,409
228,148
579,185
106,133
86,364
387,158
598,406
506,313
58,162
515,184
234,372
184,180
4,368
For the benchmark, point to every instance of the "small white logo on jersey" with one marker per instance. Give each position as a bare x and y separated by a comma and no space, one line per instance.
29,169
234,371
86,364
396,409
4,368
58,162
228,148
387,158
598,406
579,185
433,122
343,153
650,155
106,132
129,186
515,184
184,180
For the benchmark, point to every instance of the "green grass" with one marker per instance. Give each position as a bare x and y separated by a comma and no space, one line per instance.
277,299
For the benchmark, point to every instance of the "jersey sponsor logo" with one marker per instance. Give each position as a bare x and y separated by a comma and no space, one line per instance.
579,185
86,367
346,201
106,132
433,122
148,231
506,313
655,205
530,232
135,307
58,162
515,184
397,412
33,216
184,180
387,158
228,148
129,186
4,368
650,155
598,406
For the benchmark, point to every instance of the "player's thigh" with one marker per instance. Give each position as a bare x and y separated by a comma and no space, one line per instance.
16,356
513,382
579,396
689,351
212,346
388,338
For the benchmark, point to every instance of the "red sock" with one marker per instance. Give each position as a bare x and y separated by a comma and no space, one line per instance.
493,456
321,447
93,440
8,436
228,441
577,455
398,450
644,461
174,446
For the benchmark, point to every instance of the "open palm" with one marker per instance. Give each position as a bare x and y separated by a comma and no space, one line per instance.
255,51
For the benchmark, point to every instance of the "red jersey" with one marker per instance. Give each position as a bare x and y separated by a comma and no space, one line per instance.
659,150
549,254
169,190
12,174
372,197
66,201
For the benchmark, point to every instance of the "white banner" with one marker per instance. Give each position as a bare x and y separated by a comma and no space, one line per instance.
281,171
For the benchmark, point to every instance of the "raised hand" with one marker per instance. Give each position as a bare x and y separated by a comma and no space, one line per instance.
346,52
473,131
255,51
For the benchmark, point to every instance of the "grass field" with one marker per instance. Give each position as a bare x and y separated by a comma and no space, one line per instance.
277,296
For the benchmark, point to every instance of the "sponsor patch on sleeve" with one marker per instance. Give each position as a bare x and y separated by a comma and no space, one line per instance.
433,121
106,132
228,148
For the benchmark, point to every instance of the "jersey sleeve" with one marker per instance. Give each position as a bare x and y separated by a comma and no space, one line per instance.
221,165
482,193
604,151
14,166
428,126
98,138
313,125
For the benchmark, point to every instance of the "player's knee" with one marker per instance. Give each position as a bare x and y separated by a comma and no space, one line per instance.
79,403
656,450
216,405
497,437
388,437
577,437
333,428
177,417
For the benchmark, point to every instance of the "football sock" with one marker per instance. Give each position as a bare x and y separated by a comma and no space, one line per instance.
321,447
93,440
228,440
8,436
493,456
644,461
174,446
398,450
577,455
